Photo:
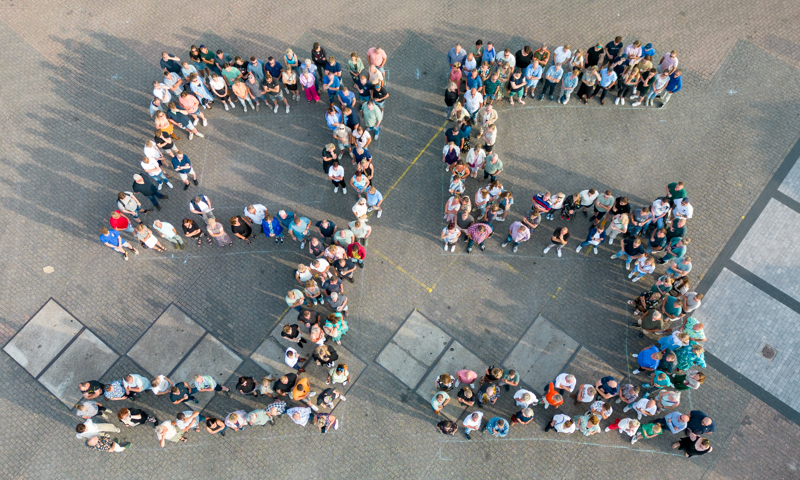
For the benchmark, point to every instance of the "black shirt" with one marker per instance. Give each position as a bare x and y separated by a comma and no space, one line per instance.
191,228
557,234
450,97
695,424
294,333
328,392
316,250
242,229
332,356
523,60
94,386
326,231
447,427
464,397
617,208
379,93
280,387
613,48
312,320
464,223
148,188
246,385
593,56
271,84
319,57
630,250
328,158
182,390
676,231
135,412
332,285
348,265
163,140
352,120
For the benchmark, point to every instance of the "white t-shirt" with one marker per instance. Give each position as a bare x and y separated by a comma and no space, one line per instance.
561,382
561,56
151,164
257,217
643,267
188,422
588,200
471,103
91,430
304,277
152,152
162,93
682,210
521,403
138,382
480,198
473,424
560,420
171,431
323,264
163,385
583,393
291,361
336,172
361,139
218,84
659,208
360,210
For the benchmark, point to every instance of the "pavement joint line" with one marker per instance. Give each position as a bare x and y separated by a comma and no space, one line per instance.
585,444
61,352
402,270
433,365
188,352
787,201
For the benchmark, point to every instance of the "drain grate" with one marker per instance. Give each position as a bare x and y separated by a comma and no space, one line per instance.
768,352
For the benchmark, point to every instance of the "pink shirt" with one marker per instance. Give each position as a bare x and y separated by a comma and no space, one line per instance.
189,103
466,376
669,62
376,57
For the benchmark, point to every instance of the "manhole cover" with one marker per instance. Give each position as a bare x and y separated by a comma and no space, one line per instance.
768,352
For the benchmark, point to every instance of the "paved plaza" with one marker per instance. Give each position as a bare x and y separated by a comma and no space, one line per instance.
75,117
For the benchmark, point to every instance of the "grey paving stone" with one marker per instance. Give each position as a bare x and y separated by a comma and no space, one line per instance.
456,358
739,320
43,337
210,357
167,341
87,358
791,184
269,356
413,349
541,354
771,250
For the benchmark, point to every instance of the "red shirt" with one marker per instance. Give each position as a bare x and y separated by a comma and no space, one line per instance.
357,253
120,223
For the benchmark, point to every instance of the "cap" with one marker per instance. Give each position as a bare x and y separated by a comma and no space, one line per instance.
648,46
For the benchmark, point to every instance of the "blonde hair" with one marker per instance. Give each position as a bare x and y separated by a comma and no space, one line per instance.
289,51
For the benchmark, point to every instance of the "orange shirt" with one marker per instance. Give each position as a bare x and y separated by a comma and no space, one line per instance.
551,393
301,389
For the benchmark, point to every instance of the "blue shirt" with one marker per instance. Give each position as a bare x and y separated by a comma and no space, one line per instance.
274,227
288,220
257,70
332,83
606,77
178,117
181,163
335,68
474,82
646,360
454,137
552,72
531,72
299,229
274,70
489,55
112,238
606,388
675,84
648,51
170,65
490,427
347,99
374,198
453,57
361,156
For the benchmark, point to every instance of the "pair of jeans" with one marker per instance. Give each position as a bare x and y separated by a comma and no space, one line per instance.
487,175
548,85
339,183
175,239
154,198
651,94
583,244
597,89
159,178
633,230
622,253
471,242
510,240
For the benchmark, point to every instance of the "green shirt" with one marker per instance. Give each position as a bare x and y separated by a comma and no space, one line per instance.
355,68
371,117
492,86
606,203
647,428
509,379
674,193
492,168
231,74
261,417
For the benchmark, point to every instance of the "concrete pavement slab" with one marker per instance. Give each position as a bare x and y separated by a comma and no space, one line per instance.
455,358
166,342
87,358
43,337
209,357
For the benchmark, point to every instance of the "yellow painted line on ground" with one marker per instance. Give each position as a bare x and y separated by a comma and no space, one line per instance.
402,270
416,158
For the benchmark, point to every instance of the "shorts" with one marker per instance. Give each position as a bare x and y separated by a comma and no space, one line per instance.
150,242
517,94
200,66
292,87
276,97
532,83
185,176
488,148
342,146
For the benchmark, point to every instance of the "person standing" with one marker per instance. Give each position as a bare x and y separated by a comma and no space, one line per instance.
241,228
674,86
201,205
168,232
473,101
568,85
658,86
518,233
146,187
595,237
113,240
558,239
608,78
478,233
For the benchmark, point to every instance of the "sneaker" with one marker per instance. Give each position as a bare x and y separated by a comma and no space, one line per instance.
287,108
630,275
281,240
578,249
160,185
627,266
514,249
467,435
276,240
547,249
340,155
258,105
344,191
500,219
551,97
321,301
194,180
445,247
302,244
483,247
613,257
205,122
245,108
453,248
169,185
635,372
201,135
634,440
369,209
636,279
379,213
315,408
607,430
275,110
341,397
504,244
618,400
635,94
594,249
622,101
541,97
558,251
191,135
635,355
335,189
636,104
226,106
196,122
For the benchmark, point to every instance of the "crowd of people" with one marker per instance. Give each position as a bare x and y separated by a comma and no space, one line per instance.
354,118
645,237
335,251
